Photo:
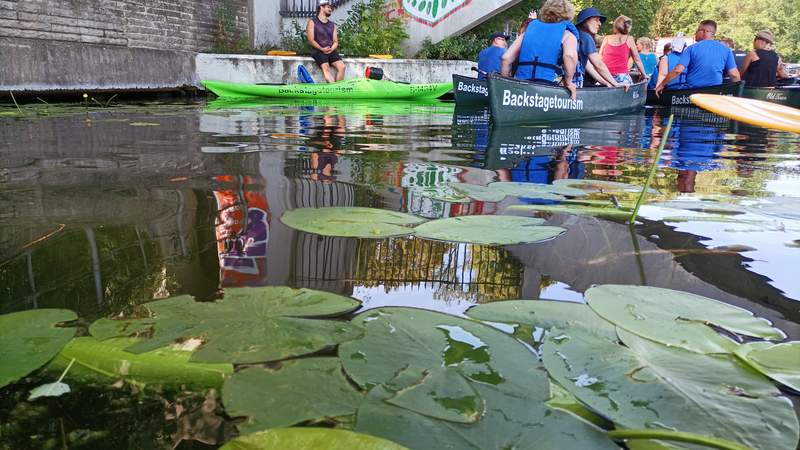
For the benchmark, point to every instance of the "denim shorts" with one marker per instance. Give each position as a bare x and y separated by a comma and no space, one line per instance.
623,78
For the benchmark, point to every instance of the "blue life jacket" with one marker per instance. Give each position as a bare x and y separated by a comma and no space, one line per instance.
540,54
672,60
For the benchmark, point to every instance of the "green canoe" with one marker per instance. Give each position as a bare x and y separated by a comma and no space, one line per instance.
361,88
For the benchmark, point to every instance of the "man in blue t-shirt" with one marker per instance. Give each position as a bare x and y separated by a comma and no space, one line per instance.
489,60
704,62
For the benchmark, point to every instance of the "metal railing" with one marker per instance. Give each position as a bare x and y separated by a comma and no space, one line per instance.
304,8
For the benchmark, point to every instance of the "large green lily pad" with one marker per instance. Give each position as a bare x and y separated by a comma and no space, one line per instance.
488,230
351,222
781,362
301,390
677,318
250,325
29,339
783,207
544,314
536,190
578,210
601,186
107,361
478,192
643,384
309,438
704,206
441,393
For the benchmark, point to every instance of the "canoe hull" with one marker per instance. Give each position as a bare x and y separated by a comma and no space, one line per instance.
516,102
470,91
358,88
680,97
789,96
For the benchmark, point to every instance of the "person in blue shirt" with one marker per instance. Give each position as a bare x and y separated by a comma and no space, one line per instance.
589,61
490,58
704,62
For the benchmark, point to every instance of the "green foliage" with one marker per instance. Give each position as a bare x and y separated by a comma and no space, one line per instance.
294,39
464,47
228,38
368,29
737,19
641,11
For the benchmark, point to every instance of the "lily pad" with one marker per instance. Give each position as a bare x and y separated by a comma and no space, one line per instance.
643,384
106,362
441,393
29,339
488,230
600,186
351,222
250,325
705,206
478,192
781,362
579,210
677,318
56,389
783,207
536,190
310,438
544,314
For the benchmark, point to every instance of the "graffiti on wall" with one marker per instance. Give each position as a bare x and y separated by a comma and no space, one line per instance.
430,12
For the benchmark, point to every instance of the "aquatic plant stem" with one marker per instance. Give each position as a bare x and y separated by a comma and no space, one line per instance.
678,436
653,168
63,374
15,102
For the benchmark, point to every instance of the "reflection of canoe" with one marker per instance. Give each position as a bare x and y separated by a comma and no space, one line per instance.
680,97
361,88
515,101
470,91
753,112
782,95
310,106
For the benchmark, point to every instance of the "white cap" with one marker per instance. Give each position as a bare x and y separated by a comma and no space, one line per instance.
678,44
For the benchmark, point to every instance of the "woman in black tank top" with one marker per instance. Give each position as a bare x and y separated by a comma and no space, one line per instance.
762,66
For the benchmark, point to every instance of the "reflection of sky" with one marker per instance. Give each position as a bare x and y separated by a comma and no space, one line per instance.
411,296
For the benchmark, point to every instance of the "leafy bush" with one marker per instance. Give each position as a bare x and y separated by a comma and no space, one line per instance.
294,39
465,47
368,29
227,37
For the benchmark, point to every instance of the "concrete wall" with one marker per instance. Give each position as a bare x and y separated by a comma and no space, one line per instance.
277,69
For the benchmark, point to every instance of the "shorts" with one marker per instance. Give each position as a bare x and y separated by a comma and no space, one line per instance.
577,80
623,78
321,58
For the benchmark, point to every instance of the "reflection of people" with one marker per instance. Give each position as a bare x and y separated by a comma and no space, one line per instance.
329,143
589,60
762,66
618,47
548,46
704,62
324,39
490,58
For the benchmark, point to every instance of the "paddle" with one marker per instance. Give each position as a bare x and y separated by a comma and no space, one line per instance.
753,112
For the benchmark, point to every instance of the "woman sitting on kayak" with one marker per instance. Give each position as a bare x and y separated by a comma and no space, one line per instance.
762,66
548,47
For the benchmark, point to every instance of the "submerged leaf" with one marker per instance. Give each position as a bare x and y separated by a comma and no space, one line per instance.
488,230
250,325
781,362
309,438
677,318
301,390
600,186
351,222
56,389
29,339
643,384
537,190
478,192
581,210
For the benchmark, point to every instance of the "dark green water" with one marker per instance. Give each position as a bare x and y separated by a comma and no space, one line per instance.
106,209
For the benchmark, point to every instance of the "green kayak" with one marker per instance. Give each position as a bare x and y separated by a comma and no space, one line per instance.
361,88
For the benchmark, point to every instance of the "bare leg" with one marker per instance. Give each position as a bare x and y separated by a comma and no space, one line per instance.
326,72
339,66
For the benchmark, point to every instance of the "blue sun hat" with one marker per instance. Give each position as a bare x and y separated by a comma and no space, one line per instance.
589,13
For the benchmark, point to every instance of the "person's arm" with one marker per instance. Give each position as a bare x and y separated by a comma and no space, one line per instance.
592,71
749,59
730,67
602,70
511,55
734,74
335,44
636,59
781,71
569,56
674,73
310,36
663,68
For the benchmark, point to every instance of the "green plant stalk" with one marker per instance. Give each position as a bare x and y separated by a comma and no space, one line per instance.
678,436
15,102
653,168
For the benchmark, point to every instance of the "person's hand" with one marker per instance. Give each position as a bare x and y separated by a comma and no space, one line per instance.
327,50
573,90
659,88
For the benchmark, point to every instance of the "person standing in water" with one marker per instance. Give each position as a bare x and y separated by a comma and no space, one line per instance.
324,39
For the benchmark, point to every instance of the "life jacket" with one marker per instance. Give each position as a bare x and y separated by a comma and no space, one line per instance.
540,54
672,60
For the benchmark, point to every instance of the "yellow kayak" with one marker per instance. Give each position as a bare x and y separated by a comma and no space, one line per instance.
753,112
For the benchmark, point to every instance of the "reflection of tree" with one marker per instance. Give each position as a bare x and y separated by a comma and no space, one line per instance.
459,271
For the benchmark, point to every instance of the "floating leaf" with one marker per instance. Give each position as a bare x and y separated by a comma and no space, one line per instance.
677,318
309,438
250,325
441,393
106,361
783,207
600,186
301,390
488,230
781,362
56,389
351,222
29,339
643,384
580,210
478,192
544,314
705,206
536,190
